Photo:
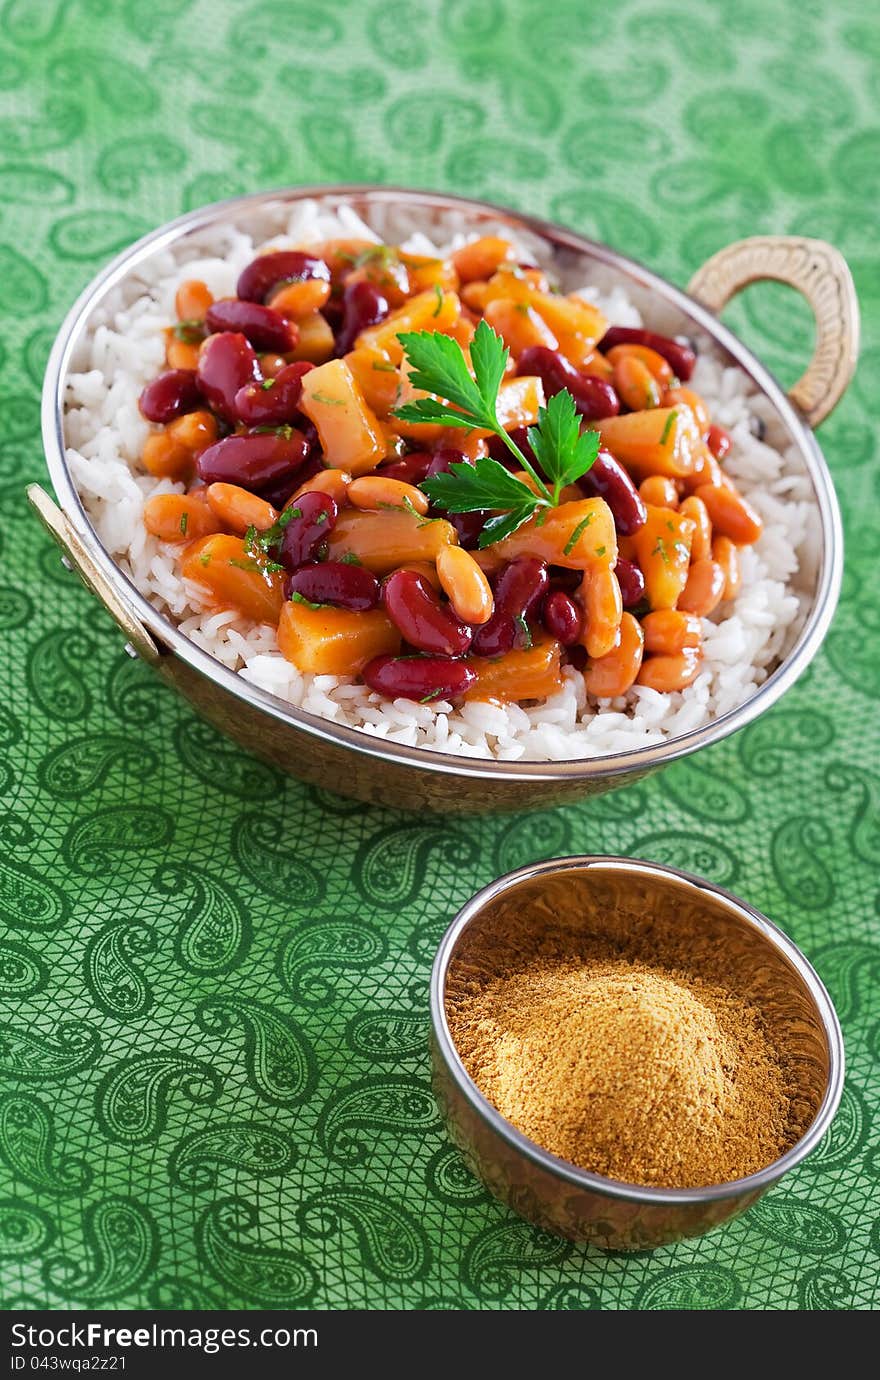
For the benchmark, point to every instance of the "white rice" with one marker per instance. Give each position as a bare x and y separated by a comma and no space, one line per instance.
743,641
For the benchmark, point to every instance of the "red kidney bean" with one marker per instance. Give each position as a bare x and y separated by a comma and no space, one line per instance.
606,478
420,678
443,458
274,401
562,617
411,469
631,581
500,452
518,591
717,439
314,516
264,328
423,621
593,397
335,582
278,492
226,364
170,395
468,526
680,357
267,271
252,461
363,305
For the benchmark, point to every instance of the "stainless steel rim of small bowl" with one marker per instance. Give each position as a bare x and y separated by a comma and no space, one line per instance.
610,765
595,1183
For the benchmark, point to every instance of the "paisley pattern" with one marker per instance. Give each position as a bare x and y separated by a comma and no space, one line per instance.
691,1287
28,901
121,1245
246,1146
132,1100
116,982
387,1036
314,951
47,1058
496,1256
392,1243
213,980
102,841
27,1145
797,1224
350,1121
79,767
215,933
280,1062
391,868
25,1230
22,971
259,1274
281,872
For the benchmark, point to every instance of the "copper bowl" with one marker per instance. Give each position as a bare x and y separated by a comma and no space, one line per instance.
351,762
615,896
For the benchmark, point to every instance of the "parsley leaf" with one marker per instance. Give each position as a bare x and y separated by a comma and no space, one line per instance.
437,364
461,399
562,450
484,484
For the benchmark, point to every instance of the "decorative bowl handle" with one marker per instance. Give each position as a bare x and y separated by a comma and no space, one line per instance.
76,557
821,273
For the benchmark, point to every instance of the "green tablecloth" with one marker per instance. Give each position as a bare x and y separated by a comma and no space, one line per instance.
215,1088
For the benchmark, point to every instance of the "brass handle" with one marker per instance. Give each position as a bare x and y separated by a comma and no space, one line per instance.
821,273
58,525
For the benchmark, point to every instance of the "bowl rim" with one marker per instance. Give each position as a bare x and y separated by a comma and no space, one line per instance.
563,1169
169,637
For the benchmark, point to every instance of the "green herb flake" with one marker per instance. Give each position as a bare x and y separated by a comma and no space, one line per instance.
384,366
384,254
297,598
432,694
600,550
285,431
670,423
438,292
205,558
319,518
190,332
288,514
660,550
184,520
525,630
577,534
350,559
267,384
328,401
243,565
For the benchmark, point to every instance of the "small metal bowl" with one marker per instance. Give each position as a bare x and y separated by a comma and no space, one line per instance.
614,896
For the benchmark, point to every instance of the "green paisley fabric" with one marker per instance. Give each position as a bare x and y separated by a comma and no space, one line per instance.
214,980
